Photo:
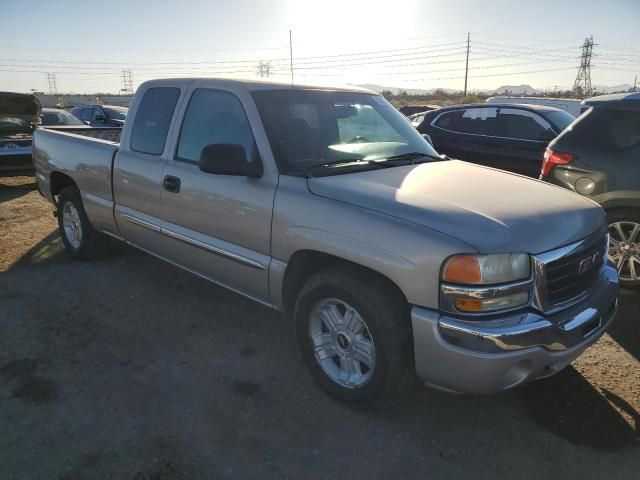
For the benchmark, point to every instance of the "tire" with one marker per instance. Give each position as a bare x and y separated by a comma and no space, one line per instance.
80,239
381,321
624,245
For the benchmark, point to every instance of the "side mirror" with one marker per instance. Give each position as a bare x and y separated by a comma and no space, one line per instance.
427,138
228,159
546,136
87,122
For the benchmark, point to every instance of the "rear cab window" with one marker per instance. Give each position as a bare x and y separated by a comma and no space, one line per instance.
151,123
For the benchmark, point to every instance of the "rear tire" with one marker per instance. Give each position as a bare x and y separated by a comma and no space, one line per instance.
80,239
355,336
624,244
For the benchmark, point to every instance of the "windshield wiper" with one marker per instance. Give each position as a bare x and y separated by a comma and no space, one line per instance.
413,157
355,162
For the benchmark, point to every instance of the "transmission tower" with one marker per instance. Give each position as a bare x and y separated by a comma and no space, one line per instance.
582,85
264,69
127,82
51,80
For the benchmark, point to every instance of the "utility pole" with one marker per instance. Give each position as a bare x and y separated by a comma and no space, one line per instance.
127,82
582,85
635,82
291,56
51,80
466,68
264,68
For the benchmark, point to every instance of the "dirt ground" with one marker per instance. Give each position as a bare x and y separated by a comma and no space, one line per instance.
129,368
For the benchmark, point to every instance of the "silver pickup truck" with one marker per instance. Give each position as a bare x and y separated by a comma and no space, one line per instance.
394,263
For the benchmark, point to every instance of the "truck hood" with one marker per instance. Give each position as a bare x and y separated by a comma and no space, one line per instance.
18,113
490,210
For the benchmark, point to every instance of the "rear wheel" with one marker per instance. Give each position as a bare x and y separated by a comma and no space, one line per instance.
355,336
624,244
80,239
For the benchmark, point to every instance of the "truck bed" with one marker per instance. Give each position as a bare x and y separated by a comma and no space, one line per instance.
84,158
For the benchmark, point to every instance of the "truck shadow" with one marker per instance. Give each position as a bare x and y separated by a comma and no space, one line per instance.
15,187
570,407
625,328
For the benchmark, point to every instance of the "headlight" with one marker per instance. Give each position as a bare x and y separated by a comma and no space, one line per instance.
485,283
486,269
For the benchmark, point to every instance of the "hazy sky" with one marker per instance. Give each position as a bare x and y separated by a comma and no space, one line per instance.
404,43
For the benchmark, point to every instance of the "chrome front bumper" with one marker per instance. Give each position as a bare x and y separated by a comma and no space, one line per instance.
489,356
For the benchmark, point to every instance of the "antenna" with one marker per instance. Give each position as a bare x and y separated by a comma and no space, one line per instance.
582,85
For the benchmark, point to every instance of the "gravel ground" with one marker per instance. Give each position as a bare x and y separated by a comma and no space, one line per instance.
129,368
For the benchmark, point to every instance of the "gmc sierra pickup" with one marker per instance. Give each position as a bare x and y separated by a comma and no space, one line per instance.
327,204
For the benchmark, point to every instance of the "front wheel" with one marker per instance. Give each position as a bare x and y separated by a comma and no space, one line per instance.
80,239
624,244
355,336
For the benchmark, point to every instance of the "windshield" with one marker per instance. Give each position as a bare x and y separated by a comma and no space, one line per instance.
560,119
116,113
59,117
16,123
311,128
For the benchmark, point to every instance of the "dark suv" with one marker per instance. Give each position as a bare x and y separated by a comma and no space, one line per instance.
507,136
598,156
101,115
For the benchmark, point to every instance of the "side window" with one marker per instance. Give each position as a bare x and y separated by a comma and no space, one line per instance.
98,113
152,120
87,113
213,117
476,121
521,124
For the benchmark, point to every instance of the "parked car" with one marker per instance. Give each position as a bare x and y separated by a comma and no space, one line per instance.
56,117
571,105
408,110
101,115
18,118
508,137
327,204
598,156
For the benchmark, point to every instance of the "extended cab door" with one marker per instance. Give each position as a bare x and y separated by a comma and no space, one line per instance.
137,174
219,225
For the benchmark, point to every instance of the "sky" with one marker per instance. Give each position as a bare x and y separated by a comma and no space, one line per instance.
404,43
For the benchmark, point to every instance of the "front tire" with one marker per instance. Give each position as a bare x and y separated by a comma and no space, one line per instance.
624,244
354,333
80,239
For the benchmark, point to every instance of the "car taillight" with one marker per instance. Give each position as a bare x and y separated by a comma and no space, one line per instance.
551,159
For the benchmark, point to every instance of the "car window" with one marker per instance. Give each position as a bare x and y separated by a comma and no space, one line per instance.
213,117
604,129
98,112
521,124
151,123
87,114
59,117
476,121
417,120
364,124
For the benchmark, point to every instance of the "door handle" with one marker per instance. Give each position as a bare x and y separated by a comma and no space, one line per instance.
171,183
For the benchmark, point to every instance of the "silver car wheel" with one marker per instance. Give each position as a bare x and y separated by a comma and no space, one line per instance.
624,249
342,343
72,225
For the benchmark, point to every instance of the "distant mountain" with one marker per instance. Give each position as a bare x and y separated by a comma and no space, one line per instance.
410,91
516,90
612,88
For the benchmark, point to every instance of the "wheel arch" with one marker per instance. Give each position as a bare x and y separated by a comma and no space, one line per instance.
303,264
58,181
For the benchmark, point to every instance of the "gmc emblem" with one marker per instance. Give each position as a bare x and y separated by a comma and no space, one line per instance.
586,264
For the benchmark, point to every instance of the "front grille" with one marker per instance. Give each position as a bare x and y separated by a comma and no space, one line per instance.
571,275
